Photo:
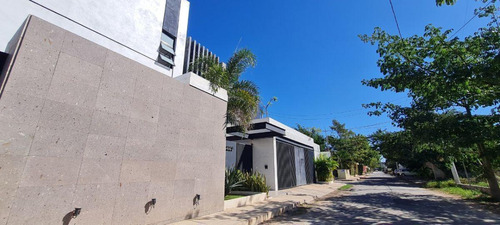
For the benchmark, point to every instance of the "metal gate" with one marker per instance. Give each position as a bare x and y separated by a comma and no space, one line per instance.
300,166
295,165
309,158
286,165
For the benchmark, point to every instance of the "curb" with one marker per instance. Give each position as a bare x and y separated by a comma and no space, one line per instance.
271,214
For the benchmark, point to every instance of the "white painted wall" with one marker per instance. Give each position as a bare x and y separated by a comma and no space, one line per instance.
231,156
264,153
136,24
181,38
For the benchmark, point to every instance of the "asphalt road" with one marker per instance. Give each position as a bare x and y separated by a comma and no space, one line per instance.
383,199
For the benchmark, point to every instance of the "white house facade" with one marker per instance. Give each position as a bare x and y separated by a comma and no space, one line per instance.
151,32
284,155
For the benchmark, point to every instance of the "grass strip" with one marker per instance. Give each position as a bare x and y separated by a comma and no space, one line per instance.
229,197
464,193
345,187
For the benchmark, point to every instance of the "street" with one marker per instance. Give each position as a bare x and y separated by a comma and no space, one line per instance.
383,199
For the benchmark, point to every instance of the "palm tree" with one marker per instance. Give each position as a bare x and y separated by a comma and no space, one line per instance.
243,95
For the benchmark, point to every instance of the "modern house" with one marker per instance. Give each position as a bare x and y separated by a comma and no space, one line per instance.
152,33
98,123
284,155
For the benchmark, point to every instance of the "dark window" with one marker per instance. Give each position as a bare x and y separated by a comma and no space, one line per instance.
167,50
3,60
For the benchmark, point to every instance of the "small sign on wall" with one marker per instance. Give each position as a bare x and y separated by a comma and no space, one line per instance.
229,148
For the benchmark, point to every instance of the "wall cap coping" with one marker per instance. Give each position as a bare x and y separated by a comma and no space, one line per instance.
202,84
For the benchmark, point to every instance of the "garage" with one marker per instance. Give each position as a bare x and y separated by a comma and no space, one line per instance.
295,165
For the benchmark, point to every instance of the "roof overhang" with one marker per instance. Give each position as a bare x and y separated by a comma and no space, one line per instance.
258,130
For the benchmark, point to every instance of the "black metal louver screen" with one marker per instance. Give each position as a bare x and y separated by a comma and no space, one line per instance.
286,165
309,156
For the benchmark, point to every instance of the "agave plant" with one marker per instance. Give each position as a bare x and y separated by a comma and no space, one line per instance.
256,182
243,95
234,179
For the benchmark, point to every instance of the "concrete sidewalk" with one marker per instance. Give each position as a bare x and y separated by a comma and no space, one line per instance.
262,211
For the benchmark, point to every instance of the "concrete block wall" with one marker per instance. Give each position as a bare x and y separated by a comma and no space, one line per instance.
82,126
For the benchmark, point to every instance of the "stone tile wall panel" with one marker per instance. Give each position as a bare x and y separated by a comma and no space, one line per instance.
82,126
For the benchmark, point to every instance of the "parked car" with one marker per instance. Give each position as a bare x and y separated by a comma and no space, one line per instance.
404,172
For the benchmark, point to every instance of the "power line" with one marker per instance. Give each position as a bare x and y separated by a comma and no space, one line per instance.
371,125
395,19
314,118
341,114
462,27
321,114
473,17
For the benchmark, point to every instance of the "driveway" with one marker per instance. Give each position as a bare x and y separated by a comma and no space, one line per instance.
383,199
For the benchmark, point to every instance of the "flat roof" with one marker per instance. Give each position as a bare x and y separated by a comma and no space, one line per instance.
269,127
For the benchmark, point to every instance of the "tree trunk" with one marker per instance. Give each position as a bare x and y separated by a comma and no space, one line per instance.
489,173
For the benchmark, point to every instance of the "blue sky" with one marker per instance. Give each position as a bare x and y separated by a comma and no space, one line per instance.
309,54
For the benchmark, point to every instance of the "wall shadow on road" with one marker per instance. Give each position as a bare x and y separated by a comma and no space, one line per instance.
387,208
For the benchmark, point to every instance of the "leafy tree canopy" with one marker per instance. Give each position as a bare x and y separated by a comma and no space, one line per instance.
448,80
315,134
447,2
350,148
452,2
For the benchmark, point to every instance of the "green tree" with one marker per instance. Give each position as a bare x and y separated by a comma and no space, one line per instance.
243,95
447,80
401,147
447,2
351,148
315,134
452,2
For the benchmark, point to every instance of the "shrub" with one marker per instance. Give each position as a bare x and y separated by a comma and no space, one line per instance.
233,179
324,167
254,181
249,181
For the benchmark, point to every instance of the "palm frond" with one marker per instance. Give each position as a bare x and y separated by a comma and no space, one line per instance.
211,70
243,96
239,62
246,85
242,107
